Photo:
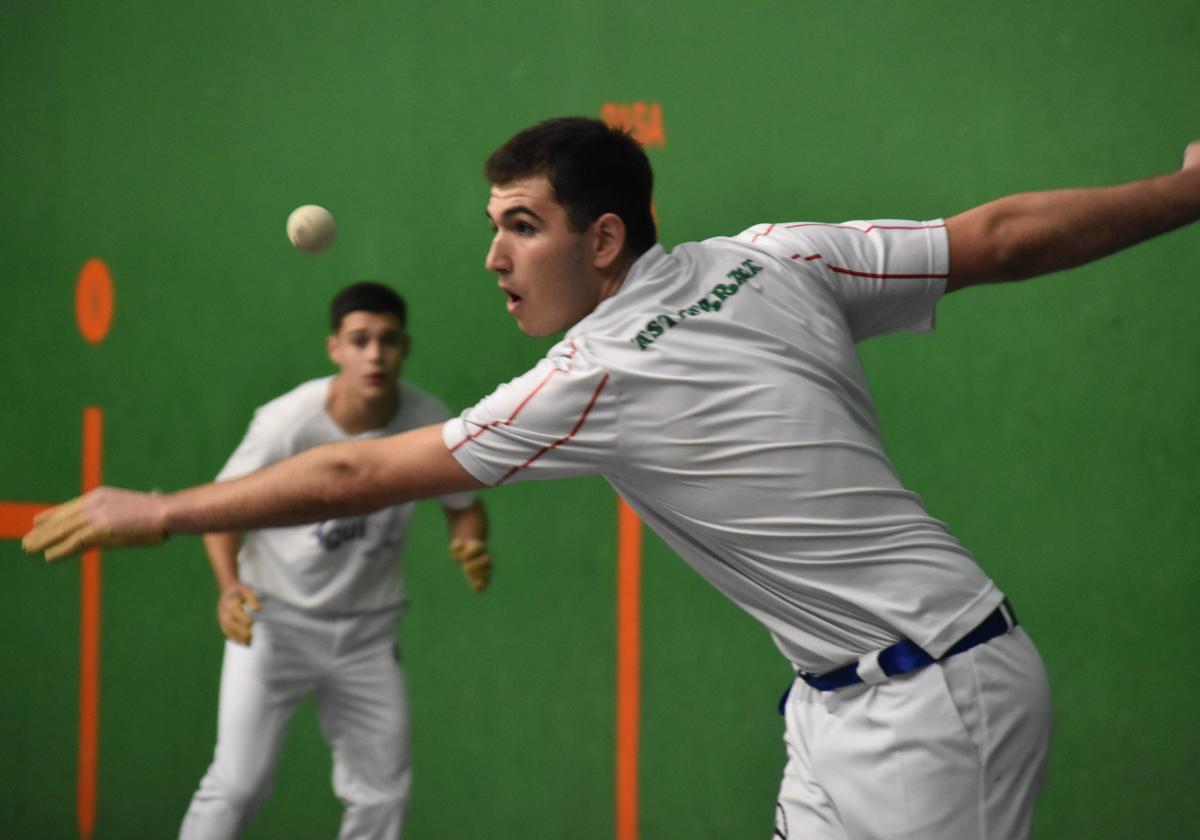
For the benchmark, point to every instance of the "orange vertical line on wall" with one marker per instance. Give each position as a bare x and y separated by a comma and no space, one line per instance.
16,518
629,668
89,638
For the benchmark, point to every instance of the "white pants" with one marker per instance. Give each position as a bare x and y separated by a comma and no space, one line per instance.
349,666
954,751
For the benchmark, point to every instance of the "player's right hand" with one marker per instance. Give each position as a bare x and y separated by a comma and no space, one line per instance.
106,517
233,613
476,562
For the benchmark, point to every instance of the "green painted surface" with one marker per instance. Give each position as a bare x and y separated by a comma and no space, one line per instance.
1051,425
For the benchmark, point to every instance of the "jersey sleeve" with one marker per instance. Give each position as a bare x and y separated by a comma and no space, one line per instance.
430,411
887,275
262,445
555,421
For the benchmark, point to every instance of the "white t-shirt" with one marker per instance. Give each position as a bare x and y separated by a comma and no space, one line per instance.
720,392
340,566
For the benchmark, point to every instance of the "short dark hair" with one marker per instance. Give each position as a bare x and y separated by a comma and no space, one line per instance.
592,168
366,296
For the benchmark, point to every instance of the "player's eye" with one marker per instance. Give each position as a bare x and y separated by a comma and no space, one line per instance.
524,228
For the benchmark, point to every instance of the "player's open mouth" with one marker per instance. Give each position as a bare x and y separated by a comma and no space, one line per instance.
513,300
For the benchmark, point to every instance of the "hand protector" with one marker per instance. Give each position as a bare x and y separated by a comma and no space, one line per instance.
233,613
91,521
476,563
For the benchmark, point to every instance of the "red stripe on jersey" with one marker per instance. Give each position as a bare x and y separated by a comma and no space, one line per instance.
854,273
866,230
508,421
766,232
578,425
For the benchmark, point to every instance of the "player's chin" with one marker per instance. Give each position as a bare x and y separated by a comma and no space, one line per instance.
371,392
535,327
535,331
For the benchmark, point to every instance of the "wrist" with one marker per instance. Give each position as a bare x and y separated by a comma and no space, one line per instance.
163,514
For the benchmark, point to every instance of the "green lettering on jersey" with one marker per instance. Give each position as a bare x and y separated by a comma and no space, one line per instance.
721,292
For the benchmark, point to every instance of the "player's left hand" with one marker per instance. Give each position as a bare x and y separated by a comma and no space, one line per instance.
106,517
1191,155
476,562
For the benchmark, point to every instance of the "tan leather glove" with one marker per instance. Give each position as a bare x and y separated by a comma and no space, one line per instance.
476,563
105,518
233,613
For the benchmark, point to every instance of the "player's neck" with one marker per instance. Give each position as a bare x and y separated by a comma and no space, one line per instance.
610,282
355,413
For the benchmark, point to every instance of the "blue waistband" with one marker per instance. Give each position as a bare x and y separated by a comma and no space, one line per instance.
905,656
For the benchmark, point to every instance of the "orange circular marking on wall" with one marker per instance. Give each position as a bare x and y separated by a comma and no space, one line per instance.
94,300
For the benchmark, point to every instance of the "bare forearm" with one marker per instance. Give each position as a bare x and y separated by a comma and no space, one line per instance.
222,550
324,482
235,601
321,483
1031,234
468,524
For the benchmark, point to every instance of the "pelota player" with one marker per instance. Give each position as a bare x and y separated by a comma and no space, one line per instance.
717,388
325,597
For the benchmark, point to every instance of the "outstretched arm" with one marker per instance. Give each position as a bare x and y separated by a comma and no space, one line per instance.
1030,234
338,479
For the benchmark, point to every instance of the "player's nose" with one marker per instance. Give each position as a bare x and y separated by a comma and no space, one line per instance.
496,260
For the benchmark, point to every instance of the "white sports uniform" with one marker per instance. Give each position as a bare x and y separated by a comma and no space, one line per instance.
720,392
331,594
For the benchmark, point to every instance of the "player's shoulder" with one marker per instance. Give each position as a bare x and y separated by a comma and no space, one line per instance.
292,406
774,239
418,407
777,236
416,395
730,257
572,361
578,352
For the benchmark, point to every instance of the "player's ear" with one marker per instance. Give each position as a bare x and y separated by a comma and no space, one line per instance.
331,347
608,240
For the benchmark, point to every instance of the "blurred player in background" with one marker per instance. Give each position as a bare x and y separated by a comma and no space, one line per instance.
718,389
312,609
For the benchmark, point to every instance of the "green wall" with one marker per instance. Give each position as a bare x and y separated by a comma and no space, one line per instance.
1051,425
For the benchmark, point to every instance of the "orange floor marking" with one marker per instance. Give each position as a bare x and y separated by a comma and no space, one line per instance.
89,638
629,668
16,518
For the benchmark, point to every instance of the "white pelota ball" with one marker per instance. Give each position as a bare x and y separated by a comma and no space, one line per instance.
311,228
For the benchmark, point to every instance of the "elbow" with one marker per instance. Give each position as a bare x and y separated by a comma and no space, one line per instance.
989,245
349,483
1009,260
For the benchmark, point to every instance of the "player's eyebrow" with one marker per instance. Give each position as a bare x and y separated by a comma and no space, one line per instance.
514,211
368,332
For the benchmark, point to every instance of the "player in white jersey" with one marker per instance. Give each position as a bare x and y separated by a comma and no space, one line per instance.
717,388
325,597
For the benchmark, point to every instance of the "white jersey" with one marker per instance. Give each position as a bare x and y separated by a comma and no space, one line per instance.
720,392
342,565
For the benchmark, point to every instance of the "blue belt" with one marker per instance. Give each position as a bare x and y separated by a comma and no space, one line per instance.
905,656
